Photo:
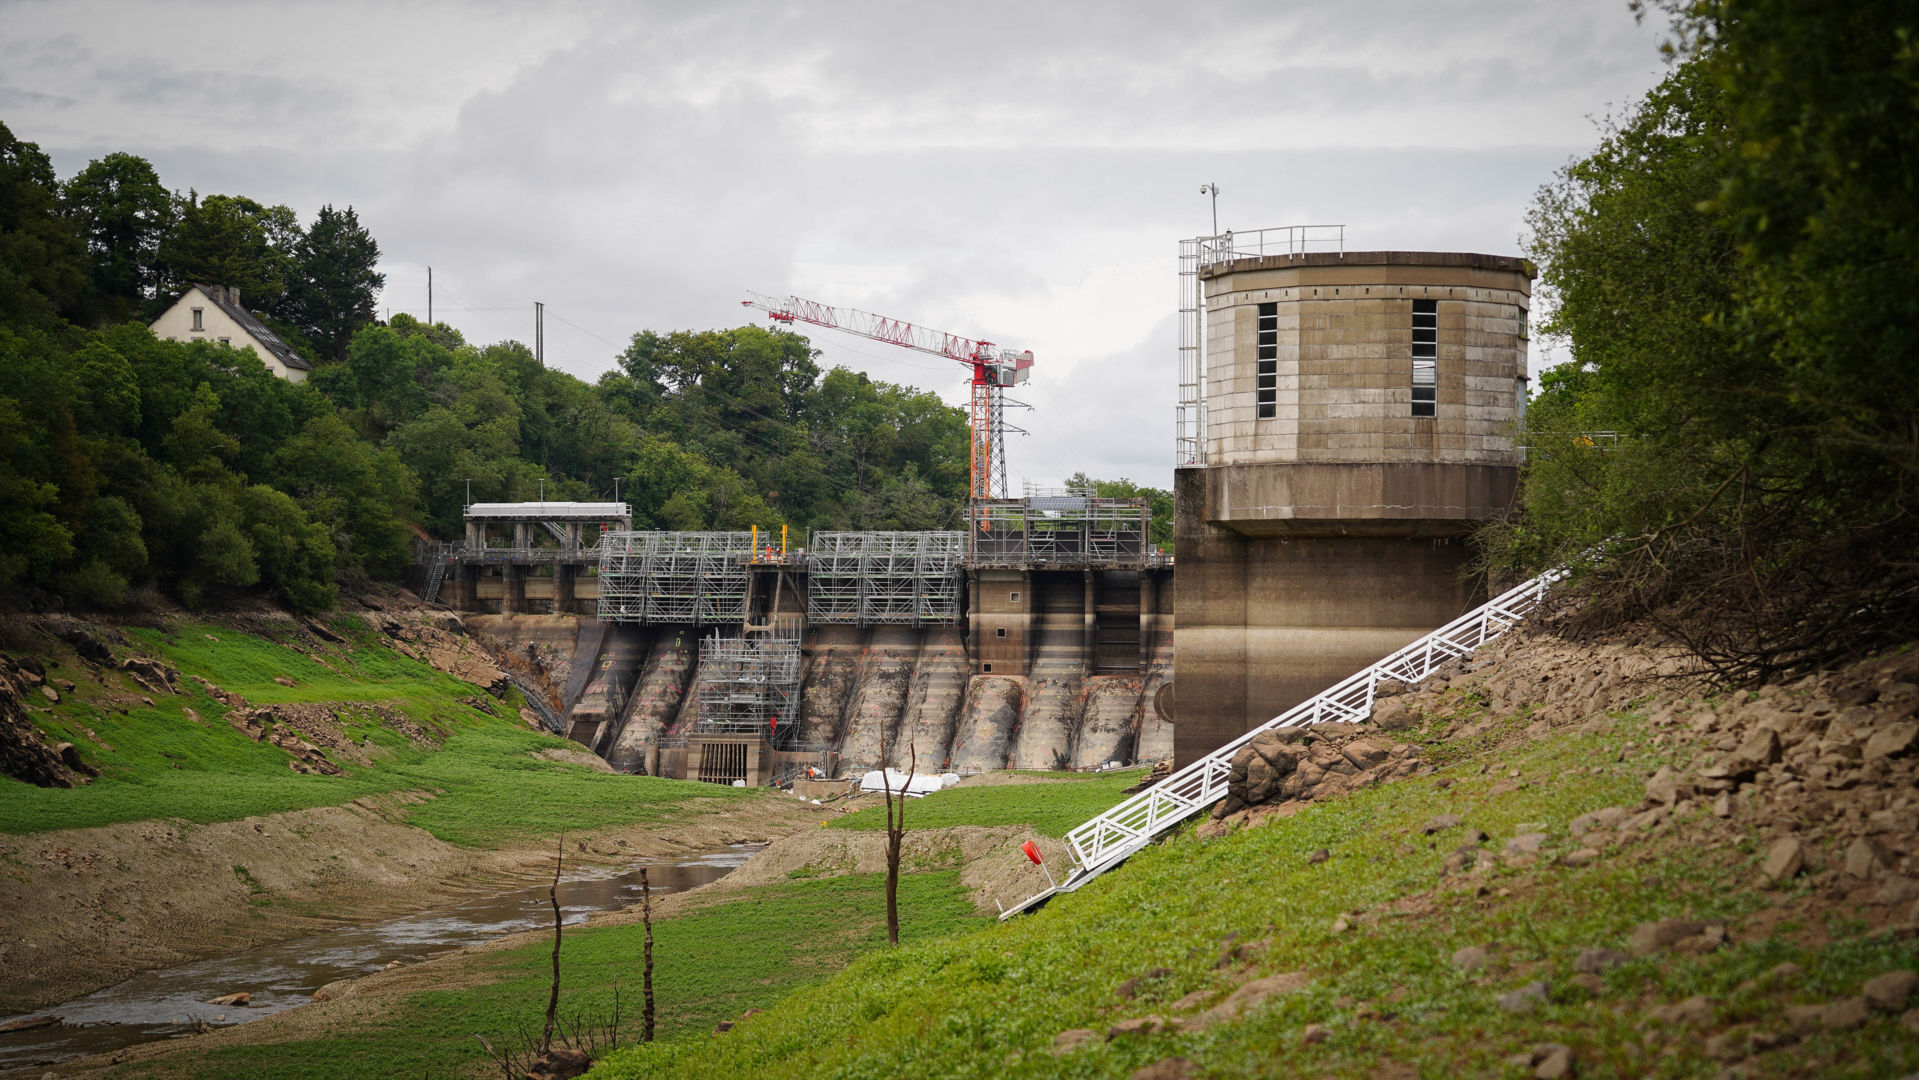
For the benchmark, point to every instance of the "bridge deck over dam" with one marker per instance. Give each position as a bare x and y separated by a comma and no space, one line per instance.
1036,638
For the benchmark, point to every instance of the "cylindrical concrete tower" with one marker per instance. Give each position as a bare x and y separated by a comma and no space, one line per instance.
1359,413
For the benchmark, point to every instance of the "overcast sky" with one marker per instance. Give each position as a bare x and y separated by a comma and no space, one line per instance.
1019,172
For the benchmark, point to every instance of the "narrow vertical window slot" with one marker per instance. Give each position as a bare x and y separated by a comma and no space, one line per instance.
1268,359
1425,358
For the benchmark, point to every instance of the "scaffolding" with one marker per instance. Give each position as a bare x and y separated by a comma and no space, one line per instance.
872,578
684,578
1061,528
751,685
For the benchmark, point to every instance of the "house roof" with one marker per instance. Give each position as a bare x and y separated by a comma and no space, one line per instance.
257,329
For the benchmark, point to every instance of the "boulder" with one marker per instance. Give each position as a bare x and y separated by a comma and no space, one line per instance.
1525,999
1171,1068
1891,740
1526,844
1552,1061
564,1063
1139,1025
1664,788
1651,937
1889,992
1440,823
1365,753
1247,997
1599,961
1785,860
1695,1011
1068,1041
1846,1014
1868,857
1608,818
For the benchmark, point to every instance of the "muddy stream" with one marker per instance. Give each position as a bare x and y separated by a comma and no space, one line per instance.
172,1001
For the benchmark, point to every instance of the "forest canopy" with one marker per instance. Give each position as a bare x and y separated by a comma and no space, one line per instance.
129,463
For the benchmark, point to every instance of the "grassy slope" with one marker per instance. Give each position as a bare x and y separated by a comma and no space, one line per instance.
1053,809
988,1004
164,764
748,949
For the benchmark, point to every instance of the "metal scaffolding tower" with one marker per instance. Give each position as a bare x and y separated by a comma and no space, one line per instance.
751,685
871,578
1065,528
686,578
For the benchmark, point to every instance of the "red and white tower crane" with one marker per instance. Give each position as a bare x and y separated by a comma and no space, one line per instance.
994,369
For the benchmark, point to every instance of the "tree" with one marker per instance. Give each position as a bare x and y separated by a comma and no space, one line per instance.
232,240
120,208
42,260
1737,272
334,284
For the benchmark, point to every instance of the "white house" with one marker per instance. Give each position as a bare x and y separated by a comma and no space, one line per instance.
213,313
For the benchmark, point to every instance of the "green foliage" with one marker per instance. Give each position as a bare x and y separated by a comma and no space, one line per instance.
1053,808
1736,271
335,284
160,762
120,207
42,259
232,240
128,462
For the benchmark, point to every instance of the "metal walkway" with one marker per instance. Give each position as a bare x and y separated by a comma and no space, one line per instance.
1106,841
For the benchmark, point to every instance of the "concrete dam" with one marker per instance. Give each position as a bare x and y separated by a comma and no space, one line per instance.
1038,638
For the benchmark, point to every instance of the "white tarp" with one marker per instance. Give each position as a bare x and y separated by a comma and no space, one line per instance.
915,785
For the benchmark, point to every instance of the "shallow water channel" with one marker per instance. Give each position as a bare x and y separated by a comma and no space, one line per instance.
172,1001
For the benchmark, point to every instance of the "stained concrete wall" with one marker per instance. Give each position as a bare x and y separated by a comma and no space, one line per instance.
912,689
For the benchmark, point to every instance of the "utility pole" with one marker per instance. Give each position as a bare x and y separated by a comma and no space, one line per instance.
469,493
539,332
429,296
616,489
1213,190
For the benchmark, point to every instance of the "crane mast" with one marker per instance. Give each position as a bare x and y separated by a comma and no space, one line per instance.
993,370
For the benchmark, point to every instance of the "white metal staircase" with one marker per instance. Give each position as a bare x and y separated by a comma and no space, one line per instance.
1106,841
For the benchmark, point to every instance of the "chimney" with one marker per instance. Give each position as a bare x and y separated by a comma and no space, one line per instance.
233,297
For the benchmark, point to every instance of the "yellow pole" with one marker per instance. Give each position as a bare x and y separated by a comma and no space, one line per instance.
782,537
755,549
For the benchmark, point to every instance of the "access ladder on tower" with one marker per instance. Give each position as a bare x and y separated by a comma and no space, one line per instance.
1106,841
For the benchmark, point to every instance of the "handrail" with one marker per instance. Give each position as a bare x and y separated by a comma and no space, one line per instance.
1108,839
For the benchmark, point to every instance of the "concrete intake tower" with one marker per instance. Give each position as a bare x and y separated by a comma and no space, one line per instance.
1346,420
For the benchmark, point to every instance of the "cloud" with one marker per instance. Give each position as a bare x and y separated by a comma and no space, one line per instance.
1010,171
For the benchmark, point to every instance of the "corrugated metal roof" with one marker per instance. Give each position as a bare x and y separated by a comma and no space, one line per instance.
550,511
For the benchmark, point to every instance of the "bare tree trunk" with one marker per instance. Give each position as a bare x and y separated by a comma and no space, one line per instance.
646,918
553,999
895,833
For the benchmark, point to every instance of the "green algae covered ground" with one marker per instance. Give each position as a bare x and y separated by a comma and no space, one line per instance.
177,758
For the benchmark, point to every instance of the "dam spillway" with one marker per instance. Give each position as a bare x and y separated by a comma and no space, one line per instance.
1035,639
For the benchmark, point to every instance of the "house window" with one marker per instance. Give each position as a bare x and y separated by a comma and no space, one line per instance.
999,631
1012,597
1425,357
198,323
226,341
1268,358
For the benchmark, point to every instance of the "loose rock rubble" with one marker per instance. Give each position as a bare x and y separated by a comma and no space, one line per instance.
1313,761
